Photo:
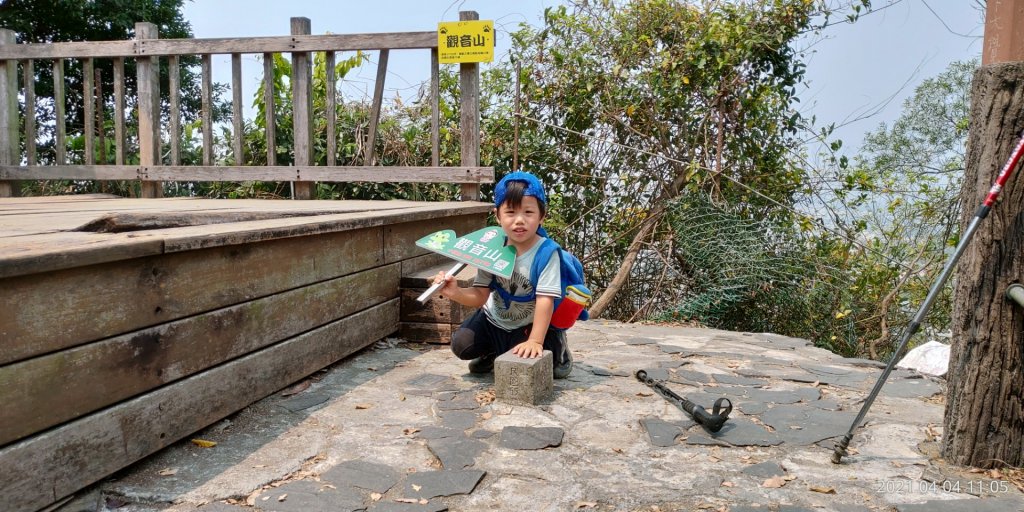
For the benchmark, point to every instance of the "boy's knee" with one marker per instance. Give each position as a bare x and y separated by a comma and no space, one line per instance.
462,342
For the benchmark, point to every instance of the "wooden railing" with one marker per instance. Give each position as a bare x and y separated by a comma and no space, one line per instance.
148,48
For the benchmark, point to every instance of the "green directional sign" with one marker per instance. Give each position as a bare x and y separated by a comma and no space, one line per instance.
484,249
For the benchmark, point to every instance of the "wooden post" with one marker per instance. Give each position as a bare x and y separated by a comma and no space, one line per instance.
101,138
268,98
60,143
89,117
174,84
469,92
435,108
332,109
378,100
236,107
29,77
9,151
119,111
1004,38
148,72
207,114
302,105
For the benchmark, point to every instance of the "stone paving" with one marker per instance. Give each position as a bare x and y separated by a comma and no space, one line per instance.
406,428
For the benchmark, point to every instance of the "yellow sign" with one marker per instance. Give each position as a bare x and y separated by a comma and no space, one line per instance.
465,41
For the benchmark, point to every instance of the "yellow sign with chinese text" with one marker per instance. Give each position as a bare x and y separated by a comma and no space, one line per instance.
465,41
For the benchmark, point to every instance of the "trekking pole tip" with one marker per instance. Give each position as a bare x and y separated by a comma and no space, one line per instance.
840,449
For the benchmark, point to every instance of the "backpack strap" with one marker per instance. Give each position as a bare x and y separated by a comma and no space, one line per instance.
540,260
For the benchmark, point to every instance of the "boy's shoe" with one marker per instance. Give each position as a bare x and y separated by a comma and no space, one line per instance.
563,370
483,364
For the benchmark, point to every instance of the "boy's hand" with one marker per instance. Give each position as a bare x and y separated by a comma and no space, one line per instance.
528,349
451,286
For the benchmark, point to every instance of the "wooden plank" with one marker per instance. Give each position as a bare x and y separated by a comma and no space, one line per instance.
270,120
100,129
426,332
400,239
378,98
174,84
435,109
302,110
469,115
207,106
236,108
88,120
436,311
10,151
63,172
59,109
274,44
46,312
319,173
148,71
56,463
332,110
45,391
29,81
338,173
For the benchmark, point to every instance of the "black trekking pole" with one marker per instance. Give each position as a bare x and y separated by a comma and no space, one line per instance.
915,324
713,422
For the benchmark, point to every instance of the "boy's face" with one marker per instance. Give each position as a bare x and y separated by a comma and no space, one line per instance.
520,224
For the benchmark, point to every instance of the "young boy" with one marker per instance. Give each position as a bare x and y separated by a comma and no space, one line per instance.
500,325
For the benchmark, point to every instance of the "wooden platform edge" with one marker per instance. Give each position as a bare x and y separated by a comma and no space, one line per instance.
43,469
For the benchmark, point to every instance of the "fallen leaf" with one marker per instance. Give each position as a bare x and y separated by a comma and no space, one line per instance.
372,369
282,497
644,393
401,397
410,431
167,472
265,498
363,406
376,496
975,470
618,450
728,484
712,458
296,389
204,443
585,504
416,487
487,415
995,474
423,501
774,482
406,500
823,489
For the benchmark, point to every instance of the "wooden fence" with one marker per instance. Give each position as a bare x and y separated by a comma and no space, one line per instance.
147,48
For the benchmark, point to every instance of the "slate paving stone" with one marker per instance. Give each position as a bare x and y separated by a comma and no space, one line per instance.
724,378
482,434
639,341
657,373
765,469
824,369
979,505
432,484
432,432
802,424
672,349
460,402
849,507
309,496
458,419
394,506
221,507
596,370
911,388
304,401
363,474
752,408
433,382
827,404
456,453
664,433
862,363
737,432
531,438
796,508
690,376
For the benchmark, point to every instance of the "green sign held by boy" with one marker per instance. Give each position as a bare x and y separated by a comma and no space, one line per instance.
484,249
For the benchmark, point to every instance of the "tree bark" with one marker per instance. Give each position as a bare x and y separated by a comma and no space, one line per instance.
984,419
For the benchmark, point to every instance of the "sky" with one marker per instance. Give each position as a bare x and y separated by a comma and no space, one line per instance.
858,74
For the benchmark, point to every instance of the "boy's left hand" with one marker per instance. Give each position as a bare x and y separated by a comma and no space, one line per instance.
528,349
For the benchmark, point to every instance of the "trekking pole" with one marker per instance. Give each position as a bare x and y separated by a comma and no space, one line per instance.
915,324
713,422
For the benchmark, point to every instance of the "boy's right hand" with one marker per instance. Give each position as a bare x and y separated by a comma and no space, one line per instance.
450,284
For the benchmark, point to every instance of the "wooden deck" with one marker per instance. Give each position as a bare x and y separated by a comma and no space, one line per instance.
127,324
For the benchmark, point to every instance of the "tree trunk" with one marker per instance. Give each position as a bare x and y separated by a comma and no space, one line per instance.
984,420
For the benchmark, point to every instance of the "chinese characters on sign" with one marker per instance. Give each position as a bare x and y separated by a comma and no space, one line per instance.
484,249
465,41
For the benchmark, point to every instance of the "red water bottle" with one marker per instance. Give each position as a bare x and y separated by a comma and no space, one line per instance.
576,298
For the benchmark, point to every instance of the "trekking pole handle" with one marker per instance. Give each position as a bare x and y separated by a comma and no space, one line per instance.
425,296
713,421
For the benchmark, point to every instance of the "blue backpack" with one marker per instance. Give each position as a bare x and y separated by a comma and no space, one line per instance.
570,269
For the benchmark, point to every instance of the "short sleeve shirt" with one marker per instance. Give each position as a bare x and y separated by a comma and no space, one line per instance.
520,314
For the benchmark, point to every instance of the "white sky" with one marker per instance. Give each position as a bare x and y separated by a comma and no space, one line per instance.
858,69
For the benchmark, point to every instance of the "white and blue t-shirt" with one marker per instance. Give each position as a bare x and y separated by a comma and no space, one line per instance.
520,314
